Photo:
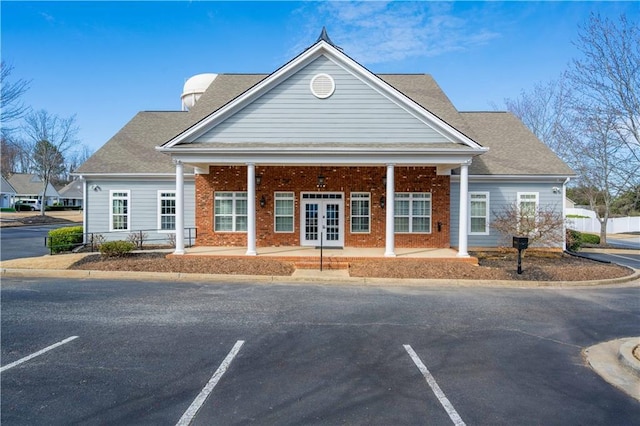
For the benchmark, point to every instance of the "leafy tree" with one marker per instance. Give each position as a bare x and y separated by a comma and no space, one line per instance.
628,203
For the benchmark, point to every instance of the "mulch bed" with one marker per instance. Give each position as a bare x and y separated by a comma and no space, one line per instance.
493,266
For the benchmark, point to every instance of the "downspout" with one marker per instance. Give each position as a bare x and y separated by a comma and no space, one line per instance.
564,214
85,196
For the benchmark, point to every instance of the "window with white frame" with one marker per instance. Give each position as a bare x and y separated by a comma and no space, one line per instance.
479,213
527,211
360,212
167,210
284,211
230,212
528,204
412,213
119,215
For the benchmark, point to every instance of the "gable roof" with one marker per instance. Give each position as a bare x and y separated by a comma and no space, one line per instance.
513,148
30,184
72,190
5,186
329,51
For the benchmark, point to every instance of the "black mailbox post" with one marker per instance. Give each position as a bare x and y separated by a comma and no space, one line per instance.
520,243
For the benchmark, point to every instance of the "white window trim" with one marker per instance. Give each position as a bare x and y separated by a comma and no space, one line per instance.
537,195
293,214
410,198
234,214
520,200
111,198
367,198
162,191
487,210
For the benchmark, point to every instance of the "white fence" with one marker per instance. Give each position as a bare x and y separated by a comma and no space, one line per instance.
616,225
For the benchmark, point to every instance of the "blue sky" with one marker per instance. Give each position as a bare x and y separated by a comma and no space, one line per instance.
105,61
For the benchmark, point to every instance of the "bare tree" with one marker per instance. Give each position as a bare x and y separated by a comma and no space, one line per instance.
603,162
608,75
543,226
48,138
546,111
11,108
591,117
77,158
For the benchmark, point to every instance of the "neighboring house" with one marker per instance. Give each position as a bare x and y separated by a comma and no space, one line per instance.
72,194
30,186
7,192
319,152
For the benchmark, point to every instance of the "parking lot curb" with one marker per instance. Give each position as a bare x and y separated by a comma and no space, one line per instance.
320,278
615,363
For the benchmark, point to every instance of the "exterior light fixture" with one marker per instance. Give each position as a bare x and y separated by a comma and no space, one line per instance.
258,180
321,181
384,181
263,201
382,202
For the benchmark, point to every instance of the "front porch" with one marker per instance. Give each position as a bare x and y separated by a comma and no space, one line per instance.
310,257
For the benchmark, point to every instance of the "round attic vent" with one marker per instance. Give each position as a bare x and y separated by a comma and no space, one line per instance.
322,86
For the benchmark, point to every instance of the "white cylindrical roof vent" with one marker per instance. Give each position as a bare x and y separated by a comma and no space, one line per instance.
194,88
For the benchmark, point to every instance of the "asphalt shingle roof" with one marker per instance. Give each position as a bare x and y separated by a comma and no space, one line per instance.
514,150
30,184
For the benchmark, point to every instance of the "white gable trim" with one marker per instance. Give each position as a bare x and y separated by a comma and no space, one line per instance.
340,59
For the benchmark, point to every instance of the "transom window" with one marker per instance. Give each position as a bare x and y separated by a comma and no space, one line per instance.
412,213
360,212
230,212
119,219
167,210
479,213
284,211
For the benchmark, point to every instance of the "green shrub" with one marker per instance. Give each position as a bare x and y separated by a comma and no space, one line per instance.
7,209
64,239
590,239
116,248
575,239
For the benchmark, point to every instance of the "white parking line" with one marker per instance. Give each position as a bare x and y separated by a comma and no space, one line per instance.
191,412
40,352
453,414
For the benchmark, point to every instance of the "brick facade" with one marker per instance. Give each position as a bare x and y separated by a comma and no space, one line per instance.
338,179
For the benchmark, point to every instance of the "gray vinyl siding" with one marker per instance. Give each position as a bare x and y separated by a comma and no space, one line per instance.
500,195
143,207
355,113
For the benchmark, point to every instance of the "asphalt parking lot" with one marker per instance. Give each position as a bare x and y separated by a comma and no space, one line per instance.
314,354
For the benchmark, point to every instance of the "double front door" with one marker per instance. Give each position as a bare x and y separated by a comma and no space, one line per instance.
322,219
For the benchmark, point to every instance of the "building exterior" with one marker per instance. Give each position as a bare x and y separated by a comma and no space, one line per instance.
7,192
30,186
321,152
71,195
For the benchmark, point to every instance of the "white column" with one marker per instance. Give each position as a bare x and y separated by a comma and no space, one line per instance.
389,248
251,210
179,207
464,211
